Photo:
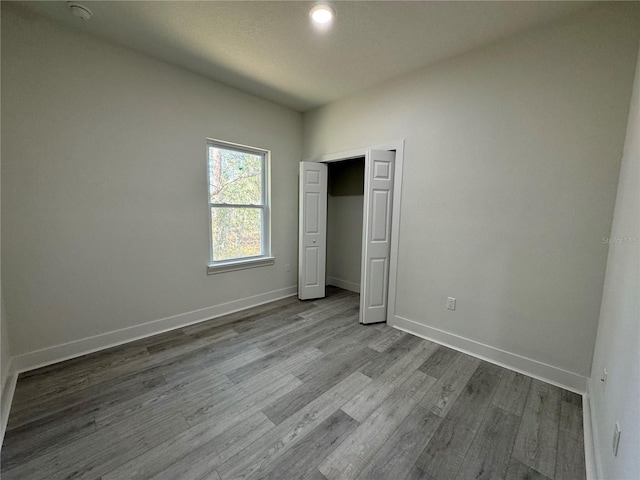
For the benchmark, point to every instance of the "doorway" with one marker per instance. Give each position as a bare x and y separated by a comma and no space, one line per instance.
379,232
345,208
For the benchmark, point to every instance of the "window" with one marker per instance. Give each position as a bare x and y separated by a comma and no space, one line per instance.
239,208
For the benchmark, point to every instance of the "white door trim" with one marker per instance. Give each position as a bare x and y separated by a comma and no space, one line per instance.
398,146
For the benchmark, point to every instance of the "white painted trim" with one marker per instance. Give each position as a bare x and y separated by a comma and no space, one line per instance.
340,283
222,267
76,348
364,247
8,389
528,366
592,461
340,156
6,372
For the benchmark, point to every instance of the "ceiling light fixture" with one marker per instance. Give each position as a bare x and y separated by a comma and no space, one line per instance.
80,11
322,15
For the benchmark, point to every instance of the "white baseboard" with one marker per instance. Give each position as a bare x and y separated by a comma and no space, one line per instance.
8,389
340,283
592,461
46,356
533,368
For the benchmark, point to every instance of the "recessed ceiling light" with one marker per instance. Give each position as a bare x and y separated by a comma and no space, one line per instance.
322,14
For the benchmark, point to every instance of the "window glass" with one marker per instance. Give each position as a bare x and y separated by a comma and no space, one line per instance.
237,202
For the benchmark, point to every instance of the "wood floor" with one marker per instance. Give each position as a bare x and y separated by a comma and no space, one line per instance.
289,390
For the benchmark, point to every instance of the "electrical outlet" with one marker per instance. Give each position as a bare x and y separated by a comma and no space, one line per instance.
603,379
451,303
616,439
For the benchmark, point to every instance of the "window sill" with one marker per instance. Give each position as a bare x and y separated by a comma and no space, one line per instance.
221,267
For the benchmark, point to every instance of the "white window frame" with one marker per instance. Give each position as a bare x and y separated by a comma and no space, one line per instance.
221,266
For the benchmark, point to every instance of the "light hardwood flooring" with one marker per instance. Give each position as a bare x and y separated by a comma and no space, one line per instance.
289,390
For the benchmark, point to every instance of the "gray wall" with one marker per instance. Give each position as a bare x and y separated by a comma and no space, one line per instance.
618,342
104,189
512,154
344,222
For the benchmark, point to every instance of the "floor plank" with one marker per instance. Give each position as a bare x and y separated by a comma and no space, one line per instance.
86,400
444,455
250,462
537,441
512,392
376,367
366,402
94,455
489,455
450,385
34,439
354,334
302,460
416,474
396,457
243,398
346,461
386,339
439,362
519,471
570,460
201,462
169,397
326,376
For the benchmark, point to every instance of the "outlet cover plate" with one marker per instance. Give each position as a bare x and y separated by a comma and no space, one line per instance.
451,303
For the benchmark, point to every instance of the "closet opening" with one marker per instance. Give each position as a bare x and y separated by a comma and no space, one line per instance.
358,234
345,203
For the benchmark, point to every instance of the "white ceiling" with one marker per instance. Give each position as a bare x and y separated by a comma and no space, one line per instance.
269,48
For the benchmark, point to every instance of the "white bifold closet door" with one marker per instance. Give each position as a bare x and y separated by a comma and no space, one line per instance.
376,243
312,242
